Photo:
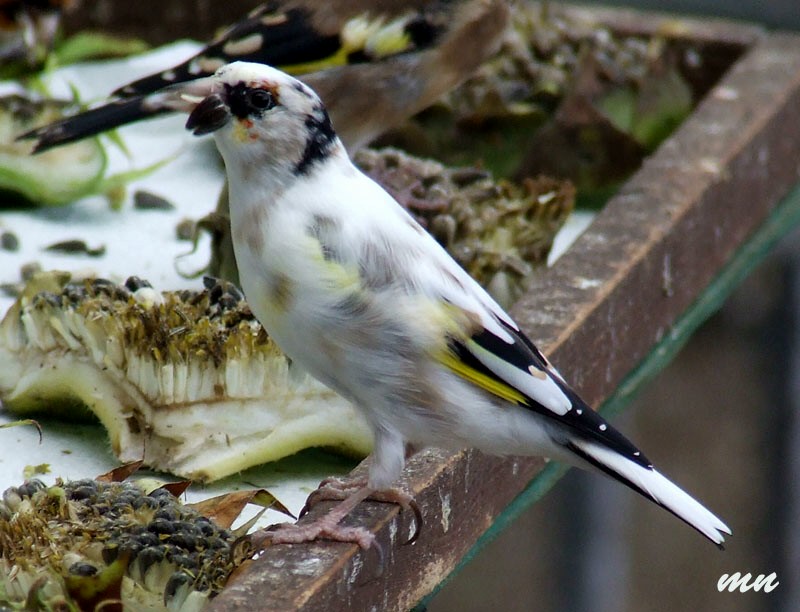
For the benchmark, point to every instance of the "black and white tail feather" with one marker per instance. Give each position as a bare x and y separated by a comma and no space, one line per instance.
576,428
646,480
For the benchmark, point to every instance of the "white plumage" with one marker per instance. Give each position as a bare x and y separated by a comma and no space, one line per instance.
358,294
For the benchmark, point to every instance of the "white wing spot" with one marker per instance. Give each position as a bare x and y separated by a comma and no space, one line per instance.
210,64
273,19
579,411
603,427
243,46
536,372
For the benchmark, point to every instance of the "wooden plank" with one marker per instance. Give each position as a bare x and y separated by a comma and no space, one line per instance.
598,313
631,22
157,21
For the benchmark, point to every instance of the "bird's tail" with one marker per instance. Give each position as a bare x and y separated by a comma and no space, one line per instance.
91,122
650,483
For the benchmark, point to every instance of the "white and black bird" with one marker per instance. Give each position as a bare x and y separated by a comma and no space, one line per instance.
360,296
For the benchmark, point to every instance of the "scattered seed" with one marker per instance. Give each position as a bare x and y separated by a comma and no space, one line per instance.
134,283
28,270
145,200
81,568
76,247
185,229
9,241
11,290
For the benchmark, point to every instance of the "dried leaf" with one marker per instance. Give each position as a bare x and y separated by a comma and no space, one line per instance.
225,509
242,529
120,473
177,488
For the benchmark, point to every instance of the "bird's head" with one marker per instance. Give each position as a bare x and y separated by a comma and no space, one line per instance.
260,115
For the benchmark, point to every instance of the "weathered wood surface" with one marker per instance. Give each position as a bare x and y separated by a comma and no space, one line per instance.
597,313
158,21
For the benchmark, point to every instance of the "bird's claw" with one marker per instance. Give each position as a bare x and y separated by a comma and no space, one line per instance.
320,529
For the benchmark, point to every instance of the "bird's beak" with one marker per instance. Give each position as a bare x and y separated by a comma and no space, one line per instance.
204,100
209,115
207,105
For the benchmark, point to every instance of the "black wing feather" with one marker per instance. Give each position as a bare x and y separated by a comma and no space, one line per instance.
287,41
581,420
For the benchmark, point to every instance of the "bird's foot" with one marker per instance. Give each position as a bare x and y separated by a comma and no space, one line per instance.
349,493
325,527
340,489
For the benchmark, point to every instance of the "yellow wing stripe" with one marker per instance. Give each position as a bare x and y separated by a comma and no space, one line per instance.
337,59
374,36
481,380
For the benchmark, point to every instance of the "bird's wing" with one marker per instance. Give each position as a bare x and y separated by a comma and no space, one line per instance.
490,351
518,372
484,346
494,355
305,37
374,63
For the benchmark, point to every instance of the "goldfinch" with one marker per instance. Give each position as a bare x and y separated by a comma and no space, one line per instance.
360,296
373,64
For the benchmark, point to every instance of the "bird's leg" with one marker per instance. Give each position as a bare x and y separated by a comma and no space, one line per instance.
340,489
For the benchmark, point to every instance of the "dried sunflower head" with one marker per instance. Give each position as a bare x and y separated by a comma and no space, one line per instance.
76,545
188,381
567,96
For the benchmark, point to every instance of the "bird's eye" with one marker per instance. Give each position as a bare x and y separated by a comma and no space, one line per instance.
260,99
